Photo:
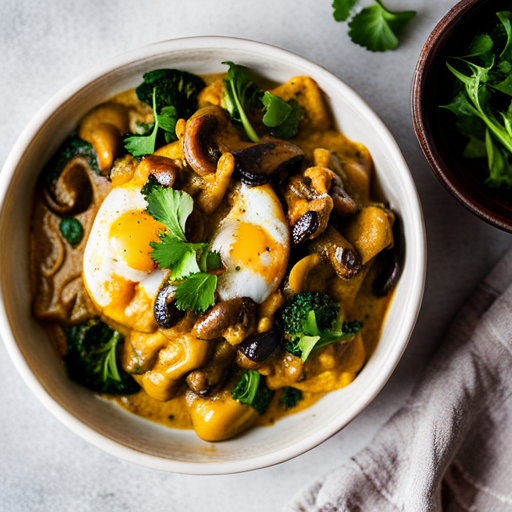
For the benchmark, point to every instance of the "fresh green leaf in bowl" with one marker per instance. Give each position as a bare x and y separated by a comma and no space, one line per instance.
483,100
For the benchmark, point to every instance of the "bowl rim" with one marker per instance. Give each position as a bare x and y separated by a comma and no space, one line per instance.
415,291
425,59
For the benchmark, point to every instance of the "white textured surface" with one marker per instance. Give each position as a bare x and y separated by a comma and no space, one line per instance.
43,466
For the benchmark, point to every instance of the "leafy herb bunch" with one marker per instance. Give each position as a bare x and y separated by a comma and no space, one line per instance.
483,99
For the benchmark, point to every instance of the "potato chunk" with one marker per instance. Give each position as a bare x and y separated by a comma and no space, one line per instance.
370,232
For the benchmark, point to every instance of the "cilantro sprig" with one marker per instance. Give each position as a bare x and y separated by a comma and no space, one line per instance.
375,27
190,263
485,86
241,95
139,145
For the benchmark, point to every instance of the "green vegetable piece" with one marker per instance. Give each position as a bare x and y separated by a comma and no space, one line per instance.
189,262
475,148
213,261
505,86
139,145
91,359
72,231
342,9
71,148
247,387
377,29
483,84
310,321
290,126
171,208
290,397
277,110
500,165
180,257
252,390
506,20
481,45
281,116
172,87
196,292
240,93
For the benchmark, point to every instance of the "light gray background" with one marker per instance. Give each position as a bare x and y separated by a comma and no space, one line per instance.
43,46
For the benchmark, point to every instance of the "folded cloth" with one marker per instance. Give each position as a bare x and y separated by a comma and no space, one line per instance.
449,447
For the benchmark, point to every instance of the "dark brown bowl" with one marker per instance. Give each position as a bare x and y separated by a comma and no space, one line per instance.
433,85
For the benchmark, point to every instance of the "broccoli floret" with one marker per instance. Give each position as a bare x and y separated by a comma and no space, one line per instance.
290,397
252,390
312,320
91,359
71,148
173,88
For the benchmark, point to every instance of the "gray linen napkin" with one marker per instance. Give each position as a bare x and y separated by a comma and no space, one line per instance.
450,446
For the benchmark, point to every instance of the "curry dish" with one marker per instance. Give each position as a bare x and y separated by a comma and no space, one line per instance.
208,254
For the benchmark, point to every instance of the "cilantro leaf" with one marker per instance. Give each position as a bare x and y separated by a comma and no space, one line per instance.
179,256
505,18
240,93
213,261
342,9
281,116
481,45
196,292
167,122
140,145
171,208
483,85
277,110
377,29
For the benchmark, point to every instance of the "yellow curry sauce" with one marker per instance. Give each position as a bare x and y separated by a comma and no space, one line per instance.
61,299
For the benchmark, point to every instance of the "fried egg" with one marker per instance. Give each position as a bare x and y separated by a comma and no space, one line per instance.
254,243
118,270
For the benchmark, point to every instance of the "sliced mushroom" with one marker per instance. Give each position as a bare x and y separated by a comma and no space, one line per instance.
259,347
72,193
199,146
166,313
204,380
339,252
390,265
305,227
309,204
239,312
343,204
163,169
260,162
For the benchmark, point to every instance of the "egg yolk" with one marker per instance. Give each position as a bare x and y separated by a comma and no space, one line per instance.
130,236
253,248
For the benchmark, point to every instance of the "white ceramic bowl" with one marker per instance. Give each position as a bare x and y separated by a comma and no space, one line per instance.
105,424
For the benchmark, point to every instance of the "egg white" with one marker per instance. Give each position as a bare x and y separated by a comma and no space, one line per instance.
102,267
260,207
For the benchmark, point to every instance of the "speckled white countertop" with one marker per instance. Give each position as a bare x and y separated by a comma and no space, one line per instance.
43,46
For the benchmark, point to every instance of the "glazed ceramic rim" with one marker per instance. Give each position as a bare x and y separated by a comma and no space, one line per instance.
414,291
449,20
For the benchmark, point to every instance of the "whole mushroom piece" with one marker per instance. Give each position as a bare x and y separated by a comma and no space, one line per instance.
335,248
199,141
240,312
259,163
